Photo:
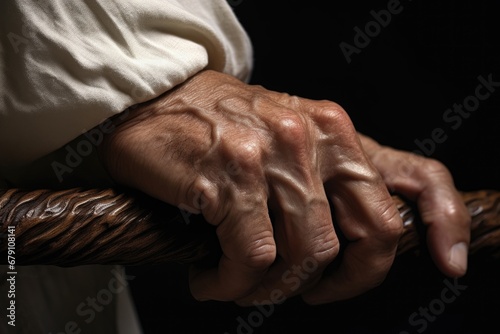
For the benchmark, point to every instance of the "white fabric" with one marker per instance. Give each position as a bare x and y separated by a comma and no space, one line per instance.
67,65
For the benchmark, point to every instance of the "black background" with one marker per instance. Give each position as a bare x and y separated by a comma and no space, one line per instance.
396,90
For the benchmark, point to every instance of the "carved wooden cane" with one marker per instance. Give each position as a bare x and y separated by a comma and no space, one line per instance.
118,226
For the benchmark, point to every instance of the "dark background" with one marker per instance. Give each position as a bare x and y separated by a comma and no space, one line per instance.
396,90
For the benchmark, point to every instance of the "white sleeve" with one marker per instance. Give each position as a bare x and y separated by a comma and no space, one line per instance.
67,65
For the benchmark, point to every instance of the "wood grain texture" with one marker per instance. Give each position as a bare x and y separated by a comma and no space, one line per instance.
117,226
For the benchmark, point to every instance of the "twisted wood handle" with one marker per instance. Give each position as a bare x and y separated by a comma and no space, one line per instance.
119,226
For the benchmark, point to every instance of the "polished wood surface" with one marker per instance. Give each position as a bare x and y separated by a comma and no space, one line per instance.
117,226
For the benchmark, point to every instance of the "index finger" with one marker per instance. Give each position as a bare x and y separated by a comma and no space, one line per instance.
247,242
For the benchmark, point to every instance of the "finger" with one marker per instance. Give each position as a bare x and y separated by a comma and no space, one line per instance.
370,221
448,226
247,242
363,208
304,233
443,212
306,244
441,208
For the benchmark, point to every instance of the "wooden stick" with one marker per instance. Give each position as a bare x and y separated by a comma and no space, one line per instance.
118,226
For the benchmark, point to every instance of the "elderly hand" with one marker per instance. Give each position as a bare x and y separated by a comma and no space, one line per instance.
263,167
428,183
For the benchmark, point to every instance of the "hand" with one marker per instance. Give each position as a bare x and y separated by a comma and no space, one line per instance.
239,154
429,183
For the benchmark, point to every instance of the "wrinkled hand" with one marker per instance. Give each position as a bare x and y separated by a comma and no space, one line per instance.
429,184
238,154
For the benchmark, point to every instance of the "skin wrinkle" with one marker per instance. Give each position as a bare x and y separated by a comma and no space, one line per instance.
292,154
231,197
355,171
261,242
199,114
363,231
430,217
299,207
228,105
324,242
283,183
356,232
340,154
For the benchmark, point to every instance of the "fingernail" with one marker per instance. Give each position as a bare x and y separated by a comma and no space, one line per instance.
458,256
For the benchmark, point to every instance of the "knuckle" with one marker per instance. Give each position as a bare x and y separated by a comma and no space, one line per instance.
200,196
324,250
451,211
331,116
331,111
324,255
261,256
391,228
291,129
458,214
371,175
366,173
246,154
433,167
